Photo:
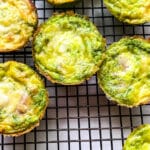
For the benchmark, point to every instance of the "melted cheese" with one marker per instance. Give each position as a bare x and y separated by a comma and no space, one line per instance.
4,99
11,95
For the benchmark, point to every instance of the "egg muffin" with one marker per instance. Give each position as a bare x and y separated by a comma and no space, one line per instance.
23,98
139,139
62,2
124,74
68,48
18,20
130,11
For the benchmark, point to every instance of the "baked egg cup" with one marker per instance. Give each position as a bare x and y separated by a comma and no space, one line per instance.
18,21
139,139
130,11
68,48
23,98
124,75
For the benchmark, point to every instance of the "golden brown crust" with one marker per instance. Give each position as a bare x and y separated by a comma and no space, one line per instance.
63,2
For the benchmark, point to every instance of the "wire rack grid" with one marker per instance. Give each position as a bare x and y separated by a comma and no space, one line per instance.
80,117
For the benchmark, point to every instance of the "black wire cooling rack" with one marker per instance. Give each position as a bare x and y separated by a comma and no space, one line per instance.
80,117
